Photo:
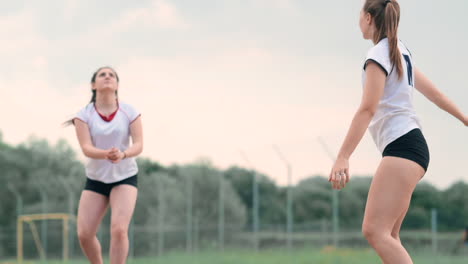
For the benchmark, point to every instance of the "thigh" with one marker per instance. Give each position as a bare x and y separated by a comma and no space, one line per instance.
91,210
390,192
122,202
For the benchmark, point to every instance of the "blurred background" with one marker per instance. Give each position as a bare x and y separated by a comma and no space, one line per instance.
244,105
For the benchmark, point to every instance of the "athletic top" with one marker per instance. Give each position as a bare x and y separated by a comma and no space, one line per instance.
108,134
395,115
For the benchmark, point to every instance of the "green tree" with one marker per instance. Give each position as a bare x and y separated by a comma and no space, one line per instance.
271,200
454,207
312,200
425,197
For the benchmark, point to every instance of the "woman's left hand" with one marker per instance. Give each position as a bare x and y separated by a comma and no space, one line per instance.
116,155
120,157
339,174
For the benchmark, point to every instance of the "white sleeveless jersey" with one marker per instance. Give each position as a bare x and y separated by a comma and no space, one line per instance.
105,135
395,115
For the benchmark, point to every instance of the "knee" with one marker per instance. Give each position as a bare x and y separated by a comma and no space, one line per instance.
396,235
85,235
371,232
119,231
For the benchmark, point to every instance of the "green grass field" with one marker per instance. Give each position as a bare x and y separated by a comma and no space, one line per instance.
330,256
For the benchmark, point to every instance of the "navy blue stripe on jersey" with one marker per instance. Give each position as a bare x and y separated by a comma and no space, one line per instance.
409,69
380,65
407,49
391,70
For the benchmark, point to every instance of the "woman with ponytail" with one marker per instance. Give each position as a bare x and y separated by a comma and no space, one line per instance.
104,128
389,79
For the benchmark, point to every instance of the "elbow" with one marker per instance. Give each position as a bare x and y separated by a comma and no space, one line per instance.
138,148
141,149
86,151
368,111
437,99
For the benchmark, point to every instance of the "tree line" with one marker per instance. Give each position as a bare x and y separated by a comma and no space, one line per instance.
36,166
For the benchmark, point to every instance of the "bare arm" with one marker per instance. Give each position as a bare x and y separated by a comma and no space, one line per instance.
373,91
136,131
430,91
84,138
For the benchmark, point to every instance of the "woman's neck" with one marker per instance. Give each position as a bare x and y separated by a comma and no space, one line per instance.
106,102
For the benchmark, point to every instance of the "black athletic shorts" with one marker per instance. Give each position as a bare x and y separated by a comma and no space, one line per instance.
105,188
411,146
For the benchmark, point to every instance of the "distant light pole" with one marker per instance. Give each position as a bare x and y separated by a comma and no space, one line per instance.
221,214
19,199
289,215
189,204
255,220
71,205
434,229
44,204
335,200
161,213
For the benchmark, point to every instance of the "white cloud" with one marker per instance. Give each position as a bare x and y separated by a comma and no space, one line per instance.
285,5
166,15
18,35
208,104
70,10
161,14
39,62
210,108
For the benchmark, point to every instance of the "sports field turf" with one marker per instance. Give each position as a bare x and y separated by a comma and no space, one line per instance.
342,256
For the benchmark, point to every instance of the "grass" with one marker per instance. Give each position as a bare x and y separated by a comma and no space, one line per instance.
326,256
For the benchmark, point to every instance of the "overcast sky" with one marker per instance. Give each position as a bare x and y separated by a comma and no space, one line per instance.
213,77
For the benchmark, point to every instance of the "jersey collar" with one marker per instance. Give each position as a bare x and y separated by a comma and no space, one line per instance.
111,116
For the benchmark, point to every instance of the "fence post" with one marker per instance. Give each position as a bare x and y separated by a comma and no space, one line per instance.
161,214
189,227
434,230
221,213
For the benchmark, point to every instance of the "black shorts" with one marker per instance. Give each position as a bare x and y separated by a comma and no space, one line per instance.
411,146
105,188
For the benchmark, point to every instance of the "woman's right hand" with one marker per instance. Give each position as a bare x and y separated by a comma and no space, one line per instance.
465,121
113,154
339,174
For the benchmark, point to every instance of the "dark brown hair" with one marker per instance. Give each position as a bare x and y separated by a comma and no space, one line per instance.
93,96
386,15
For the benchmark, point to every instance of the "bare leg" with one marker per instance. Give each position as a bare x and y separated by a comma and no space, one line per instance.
396,228
122,201
91,210
387,203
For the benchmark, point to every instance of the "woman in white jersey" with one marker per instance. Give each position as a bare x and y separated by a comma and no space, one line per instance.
389,79
104,128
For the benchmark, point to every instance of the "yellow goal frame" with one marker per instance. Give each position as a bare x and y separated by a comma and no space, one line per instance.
29,219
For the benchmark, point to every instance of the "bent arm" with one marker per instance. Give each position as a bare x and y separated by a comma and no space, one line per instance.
430,91
84,138
136,132
373,91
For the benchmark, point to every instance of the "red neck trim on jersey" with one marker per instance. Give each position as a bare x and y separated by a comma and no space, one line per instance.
111,116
